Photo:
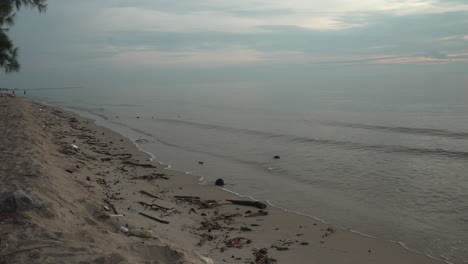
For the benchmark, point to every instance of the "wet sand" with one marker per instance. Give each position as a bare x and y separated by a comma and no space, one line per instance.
81,172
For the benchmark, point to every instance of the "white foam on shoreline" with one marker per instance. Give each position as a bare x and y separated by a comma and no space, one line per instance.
153,158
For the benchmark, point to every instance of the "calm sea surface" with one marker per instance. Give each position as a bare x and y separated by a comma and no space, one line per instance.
386,165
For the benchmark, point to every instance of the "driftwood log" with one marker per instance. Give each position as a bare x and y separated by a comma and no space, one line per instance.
249,203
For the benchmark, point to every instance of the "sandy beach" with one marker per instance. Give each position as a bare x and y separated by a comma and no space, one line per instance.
75,192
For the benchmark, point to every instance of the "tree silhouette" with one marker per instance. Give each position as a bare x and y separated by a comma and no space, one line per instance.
8,51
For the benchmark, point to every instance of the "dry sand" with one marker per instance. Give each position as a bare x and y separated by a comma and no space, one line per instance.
77,188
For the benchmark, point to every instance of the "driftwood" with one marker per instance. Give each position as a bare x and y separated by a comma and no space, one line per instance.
187,197
153,218
149,194
263,213
138,164
249,203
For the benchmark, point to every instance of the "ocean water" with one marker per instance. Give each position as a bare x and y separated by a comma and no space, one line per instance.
390,165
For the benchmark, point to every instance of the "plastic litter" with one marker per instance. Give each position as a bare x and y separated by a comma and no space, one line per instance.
141,233
124,229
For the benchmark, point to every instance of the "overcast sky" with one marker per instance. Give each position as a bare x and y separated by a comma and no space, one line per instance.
153,42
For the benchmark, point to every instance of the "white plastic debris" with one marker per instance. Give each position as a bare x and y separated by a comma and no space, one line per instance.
124,229
74,146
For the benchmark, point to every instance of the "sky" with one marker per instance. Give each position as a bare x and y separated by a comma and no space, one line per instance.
296,42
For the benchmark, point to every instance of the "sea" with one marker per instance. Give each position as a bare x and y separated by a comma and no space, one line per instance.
386,163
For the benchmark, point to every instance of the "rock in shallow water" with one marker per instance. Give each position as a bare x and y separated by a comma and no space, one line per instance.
219,182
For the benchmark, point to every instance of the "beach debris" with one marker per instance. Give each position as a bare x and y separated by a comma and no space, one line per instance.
259,213
280,248
141,140
113,209
154,176
237,242
187,197
154,218
328,232
201,162
138,164
276,157
154,206
124,229
219,182
12,202
261,256
203,238
304,243
140,232
149,194
74,146
245,228
249,203
116,215
107,208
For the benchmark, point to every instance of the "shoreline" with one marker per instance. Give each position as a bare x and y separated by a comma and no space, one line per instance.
201,182
322,243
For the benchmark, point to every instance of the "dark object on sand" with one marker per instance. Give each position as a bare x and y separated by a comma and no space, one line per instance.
154,218
201,162
276,157
187,197
261,256
249,203
12,202
219,182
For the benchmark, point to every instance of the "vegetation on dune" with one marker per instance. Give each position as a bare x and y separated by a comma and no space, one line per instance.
8,51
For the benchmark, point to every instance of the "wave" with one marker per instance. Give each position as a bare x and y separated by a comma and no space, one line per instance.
405,130
327,142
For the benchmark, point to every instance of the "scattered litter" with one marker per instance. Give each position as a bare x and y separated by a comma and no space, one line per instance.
116,215
237,242
107,208
74,146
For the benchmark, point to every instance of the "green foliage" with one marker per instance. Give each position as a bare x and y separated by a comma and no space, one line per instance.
8,52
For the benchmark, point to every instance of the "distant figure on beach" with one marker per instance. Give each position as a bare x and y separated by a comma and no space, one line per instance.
13,92
24,92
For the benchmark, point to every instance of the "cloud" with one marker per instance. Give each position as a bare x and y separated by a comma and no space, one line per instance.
425,60
459,37
251,16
